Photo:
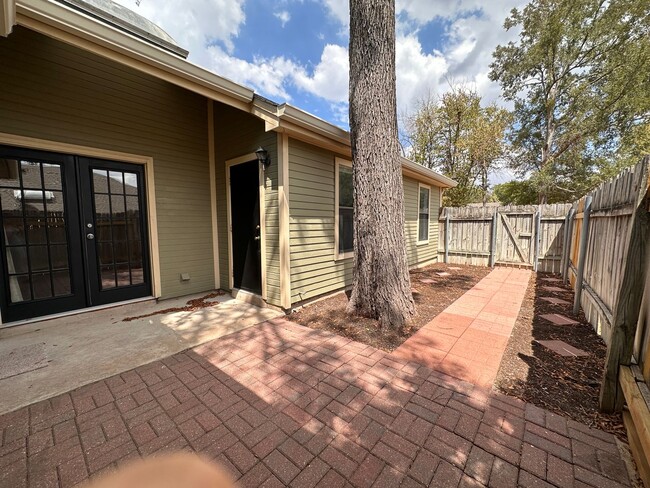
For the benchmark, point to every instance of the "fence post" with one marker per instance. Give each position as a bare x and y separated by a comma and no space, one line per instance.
582,257
447,237
493,239
566,245
538,225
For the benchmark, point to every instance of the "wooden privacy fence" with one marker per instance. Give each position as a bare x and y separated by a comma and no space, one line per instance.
515,235
605,257
605,260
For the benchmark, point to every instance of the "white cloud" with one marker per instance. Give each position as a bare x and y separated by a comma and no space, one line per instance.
329,78
266,75
195,23
474,30
284,16
418,73
339,9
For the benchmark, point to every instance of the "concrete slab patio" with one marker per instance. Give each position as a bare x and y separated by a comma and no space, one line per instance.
93,345
279,404
468,339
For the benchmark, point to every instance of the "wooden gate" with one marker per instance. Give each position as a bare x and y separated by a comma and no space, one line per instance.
515,238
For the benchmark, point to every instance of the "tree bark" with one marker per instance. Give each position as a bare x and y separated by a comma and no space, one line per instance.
381,287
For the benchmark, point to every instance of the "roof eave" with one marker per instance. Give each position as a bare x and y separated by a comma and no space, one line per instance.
315,124
440,180
72,26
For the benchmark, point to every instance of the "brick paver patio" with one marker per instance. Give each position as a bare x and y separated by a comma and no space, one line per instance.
279,404
468,339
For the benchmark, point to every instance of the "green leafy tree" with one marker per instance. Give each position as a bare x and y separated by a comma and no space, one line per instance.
454,135
515,193
578,78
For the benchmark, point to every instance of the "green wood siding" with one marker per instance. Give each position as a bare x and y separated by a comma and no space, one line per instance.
236,134
314,270
51,90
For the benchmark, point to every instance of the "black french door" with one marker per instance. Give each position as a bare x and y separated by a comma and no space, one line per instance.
115,233
74,233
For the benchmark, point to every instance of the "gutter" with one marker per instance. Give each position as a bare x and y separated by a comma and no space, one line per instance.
7,16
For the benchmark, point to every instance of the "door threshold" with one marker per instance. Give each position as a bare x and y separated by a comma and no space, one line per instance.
248,297
74,312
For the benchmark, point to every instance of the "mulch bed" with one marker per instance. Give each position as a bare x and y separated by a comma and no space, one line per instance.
568,386
430,299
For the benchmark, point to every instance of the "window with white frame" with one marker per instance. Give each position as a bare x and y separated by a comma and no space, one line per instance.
344,209
424,195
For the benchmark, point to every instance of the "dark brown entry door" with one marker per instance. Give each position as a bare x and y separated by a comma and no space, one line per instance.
245,225
74,233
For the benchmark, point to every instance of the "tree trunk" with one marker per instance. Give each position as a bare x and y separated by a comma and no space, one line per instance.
381,287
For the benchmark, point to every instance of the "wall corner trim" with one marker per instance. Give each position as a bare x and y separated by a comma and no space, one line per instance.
283,208
213,194
7,16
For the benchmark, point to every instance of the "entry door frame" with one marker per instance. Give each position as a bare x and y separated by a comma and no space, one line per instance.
261,178
77,150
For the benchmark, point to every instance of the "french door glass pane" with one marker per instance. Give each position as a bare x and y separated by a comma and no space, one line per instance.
20,288
9,173
116,180
17,260
42,285
14,231
61,280
52,177
107,277
56,231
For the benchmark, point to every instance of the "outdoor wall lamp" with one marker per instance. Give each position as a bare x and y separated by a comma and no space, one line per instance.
263,157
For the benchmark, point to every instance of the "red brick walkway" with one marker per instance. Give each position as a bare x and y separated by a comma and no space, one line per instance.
282,405
468,339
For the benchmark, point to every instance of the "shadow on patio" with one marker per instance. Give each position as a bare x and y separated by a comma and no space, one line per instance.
279,404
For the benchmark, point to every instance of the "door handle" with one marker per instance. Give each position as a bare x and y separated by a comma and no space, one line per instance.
257,238
90,237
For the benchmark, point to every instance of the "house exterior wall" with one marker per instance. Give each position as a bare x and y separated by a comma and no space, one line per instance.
314,269
54,91
237,134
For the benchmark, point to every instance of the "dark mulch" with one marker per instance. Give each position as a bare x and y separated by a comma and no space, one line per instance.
568,386
430,300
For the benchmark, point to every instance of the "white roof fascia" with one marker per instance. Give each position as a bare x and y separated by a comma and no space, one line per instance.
40,14
305,119
7,16
427,173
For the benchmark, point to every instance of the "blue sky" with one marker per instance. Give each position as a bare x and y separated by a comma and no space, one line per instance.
295,51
